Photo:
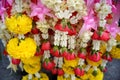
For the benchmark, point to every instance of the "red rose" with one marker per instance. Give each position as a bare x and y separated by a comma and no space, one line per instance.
15,61
78,71
54,71
35,30
5,52
70,56
94,57
95,35
55,52
34,1
81,55
40,52
45,46
58,27
107,56
60,72
105,36
48,65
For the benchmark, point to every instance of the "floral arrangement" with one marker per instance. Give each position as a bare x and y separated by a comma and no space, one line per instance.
73,39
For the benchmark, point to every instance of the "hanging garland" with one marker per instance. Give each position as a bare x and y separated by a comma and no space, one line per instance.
73,39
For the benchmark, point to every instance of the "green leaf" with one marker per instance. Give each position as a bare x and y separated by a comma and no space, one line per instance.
118,45
94,73
69,25
101,68
55,48
19,14
63,49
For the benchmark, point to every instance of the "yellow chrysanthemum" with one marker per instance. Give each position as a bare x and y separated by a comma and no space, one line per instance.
84,77
115,52
103,47
63,78
43,77
21,48
68,70
99,75
32,68
72,63
32,60
118,37
94,63
19,24
25,77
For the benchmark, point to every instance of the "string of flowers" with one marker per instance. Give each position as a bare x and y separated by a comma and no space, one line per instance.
73,39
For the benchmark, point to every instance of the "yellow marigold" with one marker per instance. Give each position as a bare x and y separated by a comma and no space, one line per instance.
68,70
115,52
103,47
118,37
19,24
72,63
94,63
84,77
32,60
63,78
25,77
99,75
43,77
32,68
21,48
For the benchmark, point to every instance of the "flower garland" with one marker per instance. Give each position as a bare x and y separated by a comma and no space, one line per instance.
69,38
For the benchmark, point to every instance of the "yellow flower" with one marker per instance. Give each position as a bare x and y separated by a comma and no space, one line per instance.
72,63
25,77
99,75
84,77
32,60
103,47
63,78
94,63
32,68
68,70
43,77
115,52
118,37
19,24
20,49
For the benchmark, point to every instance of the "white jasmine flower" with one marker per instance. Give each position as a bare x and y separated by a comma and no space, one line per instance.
66,75
102,23
30,76
96,44
73,77
63,14
60,62
43,26
37,75
95,68
45,35
111,43
37,39
18,6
